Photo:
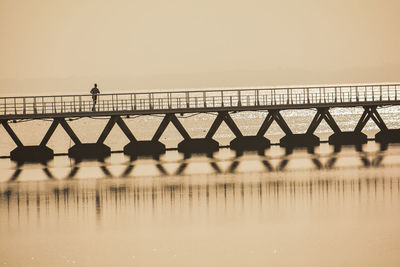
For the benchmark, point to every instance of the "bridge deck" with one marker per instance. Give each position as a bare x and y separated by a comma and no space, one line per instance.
36,107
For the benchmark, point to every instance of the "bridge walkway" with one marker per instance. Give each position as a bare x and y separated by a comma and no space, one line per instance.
25,107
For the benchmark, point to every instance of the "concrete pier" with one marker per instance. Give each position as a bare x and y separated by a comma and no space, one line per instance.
299,140
198,145
250,143
32,154
388,136
144,148
89,151
348,138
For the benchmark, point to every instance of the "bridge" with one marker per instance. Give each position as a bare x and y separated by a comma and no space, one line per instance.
60,108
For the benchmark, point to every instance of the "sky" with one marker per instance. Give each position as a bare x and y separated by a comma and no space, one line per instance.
125,45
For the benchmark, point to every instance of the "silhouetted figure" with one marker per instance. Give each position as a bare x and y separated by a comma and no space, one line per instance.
95,91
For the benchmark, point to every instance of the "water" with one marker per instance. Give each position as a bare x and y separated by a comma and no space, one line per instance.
279,209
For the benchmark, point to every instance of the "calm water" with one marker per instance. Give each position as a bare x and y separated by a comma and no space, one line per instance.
277,209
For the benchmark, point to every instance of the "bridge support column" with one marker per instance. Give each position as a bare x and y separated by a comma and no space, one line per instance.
308,139
385,136
240,143
42,153
356,137
291,140
23,153
253,143
155,147
202,145
148,147
80,151
134,148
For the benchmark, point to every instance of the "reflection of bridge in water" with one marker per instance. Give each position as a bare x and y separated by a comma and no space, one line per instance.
271,164
21,202
115,107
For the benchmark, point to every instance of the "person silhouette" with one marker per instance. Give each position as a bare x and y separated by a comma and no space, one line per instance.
95,91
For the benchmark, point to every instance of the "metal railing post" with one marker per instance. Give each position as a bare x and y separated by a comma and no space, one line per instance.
335,94
55,104
134,99
257,98
287,93
320,96
357,94
274,94
373,93
24,106
74,104
349,95
365,94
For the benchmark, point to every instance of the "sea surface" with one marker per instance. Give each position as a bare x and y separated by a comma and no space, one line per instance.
280,208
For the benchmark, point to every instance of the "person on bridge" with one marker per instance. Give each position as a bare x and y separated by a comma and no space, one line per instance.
95,91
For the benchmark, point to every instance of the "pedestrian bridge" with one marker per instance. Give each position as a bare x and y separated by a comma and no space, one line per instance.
23,107
169,103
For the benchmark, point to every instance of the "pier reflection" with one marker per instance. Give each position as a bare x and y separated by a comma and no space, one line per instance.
156,198
217,165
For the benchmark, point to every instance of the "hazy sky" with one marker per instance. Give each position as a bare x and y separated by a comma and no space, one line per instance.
197,43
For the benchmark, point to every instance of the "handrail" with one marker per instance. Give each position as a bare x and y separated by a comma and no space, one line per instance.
218,90
200,100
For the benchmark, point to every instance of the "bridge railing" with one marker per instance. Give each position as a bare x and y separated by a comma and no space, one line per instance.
70,104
